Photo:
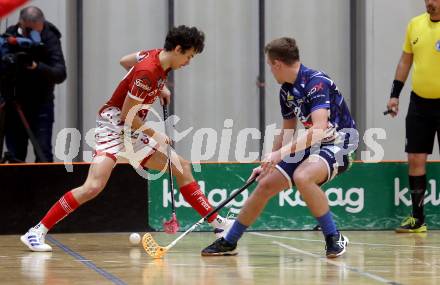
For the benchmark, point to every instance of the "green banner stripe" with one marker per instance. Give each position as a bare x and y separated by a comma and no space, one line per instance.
367,197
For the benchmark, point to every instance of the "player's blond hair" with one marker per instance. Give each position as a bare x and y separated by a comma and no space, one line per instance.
283,49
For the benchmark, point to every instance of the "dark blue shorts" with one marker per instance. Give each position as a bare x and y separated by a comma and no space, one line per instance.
337,158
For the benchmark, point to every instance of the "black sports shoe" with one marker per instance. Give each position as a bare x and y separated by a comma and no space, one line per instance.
220,247
335,245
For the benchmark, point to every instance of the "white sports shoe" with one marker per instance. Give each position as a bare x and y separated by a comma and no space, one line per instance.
34,239
222,227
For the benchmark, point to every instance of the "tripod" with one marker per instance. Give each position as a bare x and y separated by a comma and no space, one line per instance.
8,157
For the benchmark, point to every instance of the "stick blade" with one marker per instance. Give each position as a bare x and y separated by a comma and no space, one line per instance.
152,248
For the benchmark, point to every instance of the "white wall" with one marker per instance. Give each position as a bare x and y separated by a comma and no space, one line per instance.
384,38
220,82
322,32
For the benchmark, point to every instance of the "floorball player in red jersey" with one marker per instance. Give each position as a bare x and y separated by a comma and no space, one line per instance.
123,132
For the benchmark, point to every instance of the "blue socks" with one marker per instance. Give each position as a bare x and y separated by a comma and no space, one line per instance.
327,224
235,232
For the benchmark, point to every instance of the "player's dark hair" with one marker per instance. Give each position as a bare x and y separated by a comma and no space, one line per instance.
32,14
186,37
283,49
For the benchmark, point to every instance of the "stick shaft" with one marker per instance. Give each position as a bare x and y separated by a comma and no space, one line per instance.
170,170
215,210
192,228
232,197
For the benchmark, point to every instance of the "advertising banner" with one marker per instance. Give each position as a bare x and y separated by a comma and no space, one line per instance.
370,196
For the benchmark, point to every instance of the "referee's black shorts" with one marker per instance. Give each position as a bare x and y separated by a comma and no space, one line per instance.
422,123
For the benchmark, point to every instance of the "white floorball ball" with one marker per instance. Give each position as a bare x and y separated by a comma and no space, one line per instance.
135,238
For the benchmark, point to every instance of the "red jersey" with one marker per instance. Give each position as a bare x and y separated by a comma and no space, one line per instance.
143,82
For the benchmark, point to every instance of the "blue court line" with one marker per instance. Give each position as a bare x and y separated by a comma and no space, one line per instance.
86,262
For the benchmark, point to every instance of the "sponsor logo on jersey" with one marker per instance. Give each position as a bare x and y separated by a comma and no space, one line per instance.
292,99
437,45
143,83
152,93
300,115
143,55
316,88
287,98
414,42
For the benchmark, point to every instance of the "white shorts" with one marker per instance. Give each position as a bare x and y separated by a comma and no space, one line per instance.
112,142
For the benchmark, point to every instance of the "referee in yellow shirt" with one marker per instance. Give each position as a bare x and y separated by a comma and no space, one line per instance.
422,51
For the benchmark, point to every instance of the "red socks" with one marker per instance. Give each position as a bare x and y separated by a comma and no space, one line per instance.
195,197
66,205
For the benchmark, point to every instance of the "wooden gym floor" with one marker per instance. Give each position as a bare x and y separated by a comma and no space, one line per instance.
373,257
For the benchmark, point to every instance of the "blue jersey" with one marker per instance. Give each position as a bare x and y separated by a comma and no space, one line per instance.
313,90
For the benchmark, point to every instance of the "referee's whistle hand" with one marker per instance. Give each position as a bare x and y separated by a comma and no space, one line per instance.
393,105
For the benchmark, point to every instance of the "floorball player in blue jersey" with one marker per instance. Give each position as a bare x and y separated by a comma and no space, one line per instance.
316,155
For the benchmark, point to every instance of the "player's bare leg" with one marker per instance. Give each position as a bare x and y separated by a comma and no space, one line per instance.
307,177
417,163
267,187
309,174
181,167
189,188
415,223
99,173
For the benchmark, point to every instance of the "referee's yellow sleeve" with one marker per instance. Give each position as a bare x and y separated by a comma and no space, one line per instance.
407,44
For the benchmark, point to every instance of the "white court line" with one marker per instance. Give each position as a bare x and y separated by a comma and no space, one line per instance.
337,264
351,243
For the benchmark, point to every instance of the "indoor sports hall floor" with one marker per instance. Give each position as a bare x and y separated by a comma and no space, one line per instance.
373,257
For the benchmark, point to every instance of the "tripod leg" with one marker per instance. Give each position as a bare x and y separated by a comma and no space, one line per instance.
31,135
2,129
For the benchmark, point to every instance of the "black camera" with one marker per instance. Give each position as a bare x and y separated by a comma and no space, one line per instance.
17,52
